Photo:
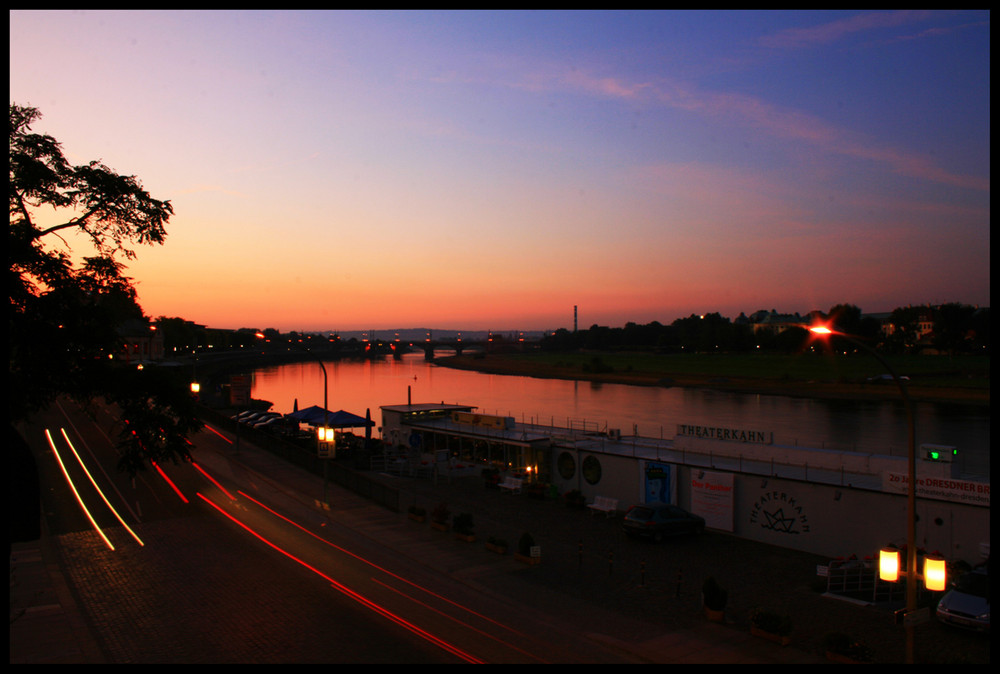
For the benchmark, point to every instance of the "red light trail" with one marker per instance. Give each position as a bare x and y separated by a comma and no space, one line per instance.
373,565
351,593
168,480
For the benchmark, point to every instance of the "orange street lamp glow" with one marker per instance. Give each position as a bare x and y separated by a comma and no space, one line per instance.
911,494
888,565
935,573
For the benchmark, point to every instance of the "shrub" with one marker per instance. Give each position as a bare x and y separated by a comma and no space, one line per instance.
771,622
842,644
575,499
463,524
713,595
441,513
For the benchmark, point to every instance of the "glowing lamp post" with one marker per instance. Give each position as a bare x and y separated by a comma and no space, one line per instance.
935,574
889,564
326,442
326,438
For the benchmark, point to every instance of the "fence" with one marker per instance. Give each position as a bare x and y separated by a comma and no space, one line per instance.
857,579
306,458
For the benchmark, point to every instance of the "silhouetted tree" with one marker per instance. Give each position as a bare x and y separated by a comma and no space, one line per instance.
63,316
846,318
953,327
903,329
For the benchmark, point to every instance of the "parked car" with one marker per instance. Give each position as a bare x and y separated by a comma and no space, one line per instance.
967,603
885,378
270,422
660,520
250,418
263,419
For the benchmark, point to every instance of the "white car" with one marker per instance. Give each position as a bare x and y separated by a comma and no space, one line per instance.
967,604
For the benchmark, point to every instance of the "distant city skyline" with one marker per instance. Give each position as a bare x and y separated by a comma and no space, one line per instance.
421,331
490,170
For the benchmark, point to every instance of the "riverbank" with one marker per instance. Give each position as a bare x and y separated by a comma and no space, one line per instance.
965,381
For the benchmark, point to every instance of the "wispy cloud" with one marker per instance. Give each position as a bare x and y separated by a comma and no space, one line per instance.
796,38
777,121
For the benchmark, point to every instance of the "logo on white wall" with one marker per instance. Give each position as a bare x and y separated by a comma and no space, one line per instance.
780,512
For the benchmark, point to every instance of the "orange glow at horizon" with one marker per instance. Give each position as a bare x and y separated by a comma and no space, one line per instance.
610,170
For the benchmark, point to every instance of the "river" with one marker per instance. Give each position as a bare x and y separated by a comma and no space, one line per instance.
862,426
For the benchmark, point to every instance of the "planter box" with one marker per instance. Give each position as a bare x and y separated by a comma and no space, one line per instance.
531,561
498,549
842,659
468,538
440,526
714,615
417,518
781,639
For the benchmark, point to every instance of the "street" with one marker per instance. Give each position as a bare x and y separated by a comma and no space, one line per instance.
199,570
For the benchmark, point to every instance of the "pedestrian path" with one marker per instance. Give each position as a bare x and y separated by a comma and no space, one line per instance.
45,626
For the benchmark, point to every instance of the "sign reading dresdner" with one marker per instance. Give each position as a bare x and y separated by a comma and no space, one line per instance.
723,433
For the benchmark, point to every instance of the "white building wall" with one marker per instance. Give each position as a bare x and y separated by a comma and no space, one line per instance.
834,521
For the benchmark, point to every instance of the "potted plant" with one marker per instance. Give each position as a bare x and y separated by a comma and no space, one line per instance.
536,490
491,478
843,649
525,547
575,499
439,517
497,545
776,627
463,526
416,513
713,598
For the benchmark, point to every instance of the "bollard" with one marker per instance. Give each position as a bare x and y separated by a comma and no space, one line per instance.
611,561
579,553
679,575
642,574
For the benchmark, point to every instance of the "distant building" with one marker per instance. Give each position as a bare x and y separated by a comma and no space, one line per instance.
141,341
774,322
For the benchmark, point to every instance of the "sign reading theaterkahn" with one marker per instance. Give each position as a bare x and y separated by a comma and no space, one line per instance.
726,433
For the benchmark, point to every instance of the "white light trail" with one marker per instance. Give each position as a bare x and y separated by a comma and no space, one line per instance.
72,487
94,482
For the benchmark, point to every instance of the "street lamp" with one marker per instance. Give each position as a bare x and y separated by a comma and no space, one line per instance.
892,567
326,439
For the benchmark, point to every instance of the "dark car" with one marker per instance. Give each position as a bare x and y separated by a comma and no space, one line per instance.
967,604
659,520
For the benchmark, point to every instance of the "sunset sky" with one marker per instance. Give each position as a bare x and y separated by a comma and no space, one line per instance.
492,170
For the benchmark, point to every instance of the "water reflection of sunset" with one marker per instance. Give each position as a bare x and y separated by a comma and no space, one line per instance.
358,386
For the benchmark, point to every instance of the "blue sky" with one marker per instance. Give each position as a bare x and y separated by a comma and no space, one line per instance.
352,170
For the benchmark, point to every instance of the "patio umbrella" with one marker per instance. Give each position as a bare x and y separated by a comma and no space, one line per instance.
317,416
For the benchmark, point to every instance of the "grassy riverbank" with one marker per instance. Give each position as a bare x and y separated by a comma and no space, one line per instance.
959,379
